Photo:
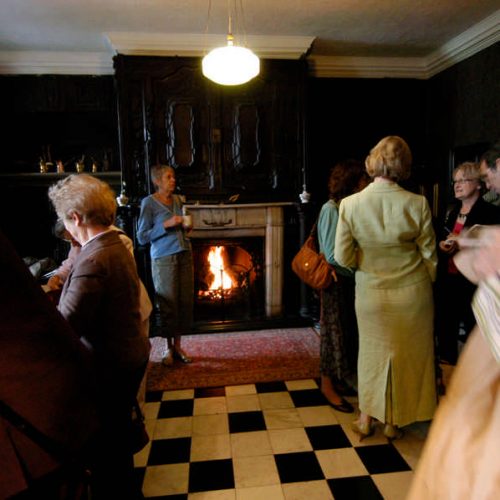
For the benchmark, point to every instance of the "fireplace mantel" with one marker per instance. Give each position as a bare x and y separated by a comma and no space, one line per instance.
250,219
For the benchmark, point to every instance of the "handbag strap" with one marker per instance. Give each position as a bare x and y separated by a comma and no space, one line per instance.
46,443
314,234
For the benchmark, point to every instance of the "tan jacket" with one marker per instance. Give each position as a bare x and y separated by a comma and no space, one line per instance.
386,233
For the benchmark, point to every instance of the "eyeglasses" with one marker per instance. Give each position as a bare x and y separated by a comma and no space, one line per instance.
462,181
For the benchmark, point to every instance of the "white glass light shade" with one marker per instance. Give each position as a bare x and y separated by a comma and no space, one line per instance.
230,65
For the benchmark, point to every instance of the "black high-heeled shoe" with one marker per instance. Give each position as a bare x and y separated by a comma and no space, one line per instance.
344,406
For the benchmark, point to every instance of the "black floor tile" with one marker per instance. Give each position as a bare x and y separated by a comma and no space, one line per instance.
326,437
209,392
176,408
246,421
170,497
270,387
294,467
170,451
211,475
153,396
354,488
139,475
381,458
308,397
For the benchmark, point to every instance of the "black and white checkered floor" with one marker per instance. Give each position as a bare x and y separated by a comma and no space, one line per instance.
268,441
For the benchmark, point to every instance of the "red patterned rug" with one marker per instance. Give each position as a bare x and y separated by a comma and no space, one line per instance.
237,358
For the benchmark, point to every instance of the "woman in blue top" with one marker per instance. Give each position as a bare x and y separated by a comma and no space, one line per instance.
338,327
161,226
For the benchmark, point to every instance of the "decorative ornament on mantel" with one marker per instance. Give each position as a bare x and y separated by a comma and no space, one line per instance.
231,64
304,196
122,199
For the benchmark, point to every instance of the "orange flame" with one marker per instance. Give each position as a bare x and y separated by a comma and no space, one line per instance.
222,280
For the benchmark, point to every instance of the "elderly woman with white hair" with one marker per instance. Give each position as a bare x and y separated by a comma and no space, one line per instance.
386,234
100,300
161,226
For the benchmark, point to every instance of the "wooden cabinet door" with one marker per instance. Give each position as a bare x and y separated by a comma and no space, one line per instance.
247,139
185,115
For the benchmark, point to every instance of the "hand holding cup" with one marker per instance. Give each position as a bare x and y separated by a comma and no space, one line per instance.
187,221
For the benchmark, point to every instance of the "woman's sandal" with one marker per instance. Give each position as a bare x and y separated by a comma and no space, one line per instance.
392,432
364,430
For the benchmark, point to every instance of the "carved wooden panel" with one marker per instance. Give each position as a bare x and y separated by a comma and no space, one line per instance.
246,147
179,125
182,123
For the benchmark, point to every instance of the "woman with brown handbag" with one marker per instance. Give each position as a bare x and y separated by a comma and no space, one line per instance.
338,328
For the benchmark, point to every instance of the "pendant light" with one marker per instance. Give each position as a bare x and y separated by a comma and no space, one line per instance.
231,64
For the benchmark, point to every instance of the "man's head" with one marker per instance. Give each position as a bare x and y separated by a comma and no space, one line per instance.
490,168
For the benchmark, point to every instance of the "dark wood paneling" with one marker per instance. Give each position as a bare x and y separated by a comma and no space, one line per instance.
244,140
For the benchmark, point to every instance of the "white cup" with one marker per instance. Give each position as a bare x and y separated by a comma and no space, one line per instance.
187,221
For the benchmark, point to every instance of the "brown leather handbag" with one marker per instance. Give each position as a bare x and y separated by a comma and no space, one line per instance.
311,266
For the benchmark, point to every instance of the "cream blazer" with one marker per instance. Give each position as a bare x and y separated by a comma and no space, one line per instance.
386,233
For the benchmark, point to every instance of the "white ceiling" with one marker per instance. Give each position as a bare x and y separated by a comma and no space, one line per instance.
398,38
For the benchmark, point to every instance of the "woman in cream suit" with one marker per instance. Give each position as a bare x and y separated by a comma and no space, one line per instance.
386,233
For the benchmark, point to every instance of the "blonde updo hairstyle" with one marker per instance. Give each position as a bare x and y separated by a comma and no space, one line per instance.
391,158
85,195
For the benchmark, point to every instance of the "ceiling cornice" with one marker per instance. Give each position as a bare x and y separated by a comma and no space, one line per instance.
367,67
18,62
468,43
478,37
197,45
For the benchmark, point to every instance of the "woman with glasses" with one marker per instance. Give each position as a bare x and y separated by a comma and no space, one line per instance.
453,291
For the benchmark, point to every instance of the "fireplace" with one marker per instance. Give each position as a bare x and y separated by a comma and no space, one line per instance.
249,239
228,279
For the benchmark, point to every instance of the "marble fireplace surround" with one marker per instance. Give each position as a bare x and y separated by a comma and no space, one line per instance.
244,220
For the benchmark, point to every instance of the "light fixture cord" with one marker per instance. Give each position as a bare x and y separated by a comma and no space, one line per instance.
205,42
239,21
244,29
208,16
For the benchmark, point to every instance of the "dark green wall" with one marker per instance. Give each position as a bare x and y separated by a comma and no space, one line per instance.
455,113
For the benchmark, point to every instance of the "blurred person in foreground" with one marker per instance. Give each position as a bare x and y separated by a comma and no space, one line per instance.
460,459
48,408
100,300
386,234
338,327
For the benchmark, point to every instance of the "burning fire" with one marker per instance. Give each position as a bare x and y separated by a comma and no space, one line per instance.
222,280
222,284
